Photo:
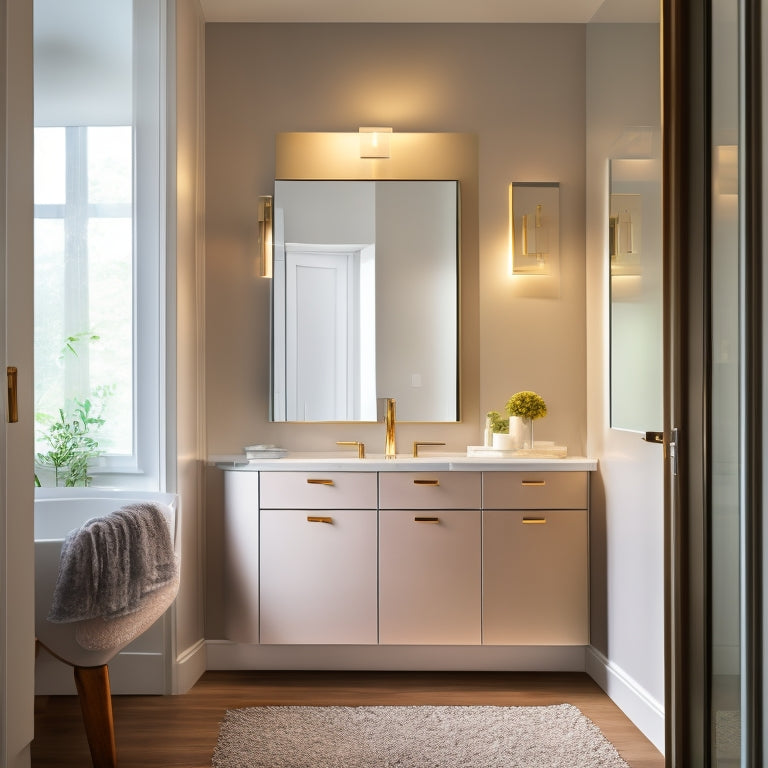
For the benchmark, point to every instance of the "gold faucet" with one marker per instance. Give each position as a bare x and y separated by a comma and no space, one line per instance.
388,405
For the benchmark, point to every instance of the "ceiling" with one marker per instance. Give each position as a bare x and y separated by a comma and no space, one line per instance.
416,11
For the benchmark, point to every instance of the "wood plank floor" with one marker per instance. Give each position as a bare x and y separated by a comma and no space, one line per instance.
155,731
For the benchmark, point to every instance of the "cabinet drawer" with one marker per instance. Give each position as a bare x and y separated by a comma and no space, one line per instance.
535,490
430,490
318,490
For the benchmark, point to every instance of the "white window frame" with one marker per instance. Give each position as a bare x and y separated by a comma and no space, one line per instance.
145,467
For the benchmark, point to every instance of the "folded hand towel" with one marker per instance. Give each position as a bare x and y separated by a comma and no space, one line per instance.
111,563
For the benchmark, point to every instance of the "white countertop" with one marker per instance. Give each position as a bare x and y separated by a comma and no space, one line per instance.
447,462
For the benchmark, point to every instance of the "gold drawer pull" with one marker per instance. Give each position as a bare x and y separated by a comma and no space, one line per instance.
532,483
534,521
426,482
313,519
319,481
426,519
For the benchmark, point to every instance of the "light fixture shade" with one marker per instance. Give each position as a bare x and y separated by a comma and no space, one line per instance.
374,142
265,236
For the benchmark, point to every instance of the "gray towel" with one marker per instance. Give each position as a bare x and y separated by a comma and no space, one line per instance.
111,563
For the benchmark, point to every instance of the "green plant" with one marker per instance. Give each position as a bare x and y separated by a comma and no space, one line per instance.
497,423
71,342
72,445
527,405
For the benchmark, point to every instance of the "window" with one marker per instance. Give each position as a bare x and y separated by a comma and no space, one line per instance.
84,281
99,233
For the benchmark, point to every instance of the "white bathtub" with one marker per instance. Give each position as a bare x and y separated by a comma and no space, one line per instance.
143,666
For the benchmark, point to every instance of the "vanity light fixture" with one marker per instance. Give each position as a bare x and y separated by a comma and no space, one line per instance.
265,235
374,142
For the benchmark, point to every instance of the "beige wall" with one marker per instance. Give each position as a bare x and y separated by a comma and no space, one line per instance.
518,88
186,439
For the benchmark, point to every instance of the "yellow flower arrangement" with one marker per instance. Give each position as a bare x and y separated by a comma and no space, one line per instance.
527,405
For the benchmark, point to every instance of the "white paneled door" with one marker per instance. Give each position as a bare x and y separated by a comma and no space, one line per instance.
321,355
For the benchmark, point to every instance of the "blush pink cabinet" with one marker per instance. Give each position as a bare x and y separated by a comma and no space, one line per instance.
535,558
318,558
430,558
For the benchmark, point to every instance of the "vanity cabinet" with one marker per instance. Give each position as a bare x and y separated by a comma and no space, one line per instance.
318,553
407,558
535,559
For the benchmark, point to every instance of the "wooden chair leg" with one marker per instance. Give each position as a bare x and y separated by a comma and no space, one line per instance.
96,706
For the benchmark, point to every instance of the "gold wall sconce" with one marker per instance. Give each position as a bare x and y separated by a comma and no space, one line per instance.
534,227
374,142
265,235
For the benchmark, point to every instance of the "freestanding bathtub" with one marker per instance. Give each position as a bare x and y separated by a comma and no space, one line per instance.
143,667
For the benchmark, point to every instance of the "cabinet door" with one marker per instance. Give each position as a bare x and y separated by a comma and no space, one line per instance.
241,563
429,577
535,577
318,576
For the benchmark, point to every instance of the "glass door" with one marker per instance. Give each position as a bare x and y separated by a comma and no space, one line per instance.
725,529
713,382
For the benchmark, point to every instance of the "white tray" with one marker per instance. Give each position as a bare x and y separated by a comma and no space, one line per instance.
537,452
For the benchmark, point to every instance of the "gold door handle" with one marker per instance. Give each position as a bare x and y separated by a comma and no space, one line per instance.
426,482
314,519
534,521
13,396
426,519
533,483
319,481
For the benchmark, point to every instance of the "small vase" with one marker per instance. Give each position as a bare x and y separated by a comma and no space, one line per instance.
503,441
522,429
526,426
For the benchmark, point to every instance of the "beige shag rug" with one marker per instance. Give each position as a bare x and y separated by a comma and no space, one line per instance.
557,736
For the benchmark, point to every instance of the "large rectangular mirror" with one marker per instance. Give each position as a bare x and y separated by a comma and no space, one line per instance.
365,299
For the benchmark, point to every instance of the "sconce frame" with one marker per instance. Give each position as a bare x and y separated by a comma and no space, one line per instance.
534,227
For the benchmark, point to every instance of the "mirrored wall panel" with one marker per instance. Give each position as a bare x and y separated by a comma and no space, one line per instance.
635,246
365,300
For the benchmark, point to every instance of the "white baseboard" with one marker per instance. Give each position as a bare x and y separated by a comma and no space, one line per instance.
129,673
223,654
189,667
637,704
